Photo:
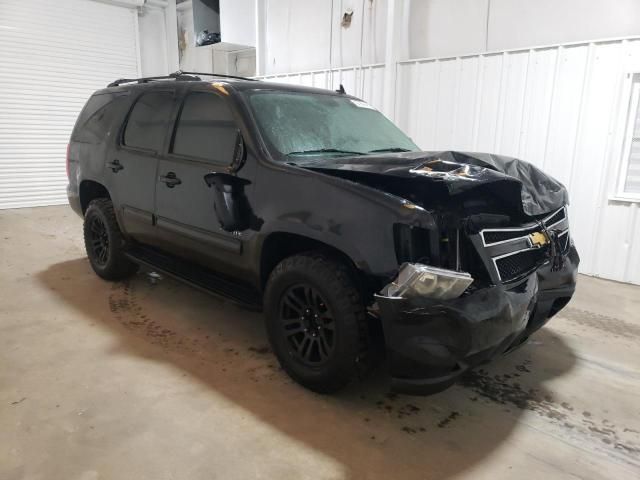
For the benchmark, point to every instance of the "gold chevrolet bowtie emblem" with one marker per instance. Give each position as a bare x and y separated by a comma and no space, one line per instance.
538,239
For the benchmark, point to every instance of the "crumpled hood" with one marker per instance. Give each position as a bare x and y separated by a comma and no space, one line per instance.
460,172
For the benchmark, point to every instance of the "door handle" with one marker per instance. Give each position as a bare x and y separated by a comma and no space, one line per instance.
115,166
170,179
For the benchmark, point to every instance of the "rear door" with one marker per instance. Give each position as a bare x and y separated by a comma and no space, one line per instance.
132,168
203,142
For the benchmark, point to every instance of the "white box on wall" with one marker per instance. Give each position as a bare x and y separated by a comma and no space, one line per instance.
238,22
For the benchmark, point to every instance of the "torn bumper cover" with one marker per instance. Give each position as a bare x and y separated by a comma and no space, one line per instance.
432,341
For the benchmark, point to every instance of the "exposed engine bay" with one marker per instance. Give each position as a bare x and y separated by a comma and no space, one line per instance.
498,217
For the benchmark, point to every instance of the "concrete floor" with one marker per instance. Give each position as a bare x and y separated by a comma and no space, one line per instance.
144,380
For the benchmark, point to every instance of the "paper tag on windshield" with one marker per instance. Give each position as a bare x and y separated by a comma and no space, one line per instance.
361,104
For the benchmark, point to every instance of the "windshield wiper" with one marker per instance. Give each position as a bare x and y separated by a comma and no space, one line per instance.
390,149
325,150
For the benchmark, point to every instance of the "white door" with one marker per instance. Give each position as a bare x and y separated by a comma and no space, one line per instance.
53,55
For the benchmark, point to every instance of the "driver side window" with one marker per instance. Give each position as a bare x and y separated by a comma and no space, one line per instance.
205,129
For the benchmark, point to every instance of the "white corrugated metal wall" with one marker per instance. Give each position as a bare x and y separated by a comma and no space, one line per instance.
53,55
366,82
559,107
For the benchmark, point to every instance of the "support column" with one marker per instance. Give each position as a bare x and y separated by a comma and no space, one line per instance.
171,31
261,36
396,49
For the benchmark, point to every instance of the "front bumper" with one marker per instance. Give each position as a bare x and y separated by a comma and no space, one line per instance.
430,343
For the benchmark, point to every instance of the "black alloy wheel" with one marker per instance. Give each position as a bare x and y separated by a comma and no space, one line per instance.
308,325
99,240
104,242
315,320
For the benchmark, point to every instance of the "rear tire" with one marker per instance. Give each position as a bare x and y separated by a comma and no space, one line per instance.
315,321
105,243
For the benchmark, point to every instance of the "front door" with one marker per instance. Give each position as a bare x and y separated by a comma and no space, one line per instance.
131,169
204,141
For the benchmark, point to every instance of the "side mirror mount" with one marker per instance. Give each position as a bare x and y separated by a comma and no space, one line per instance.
230,202
239,153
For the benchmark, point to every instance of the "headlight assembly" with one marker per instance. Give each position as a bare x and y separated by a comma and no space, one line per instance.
416,280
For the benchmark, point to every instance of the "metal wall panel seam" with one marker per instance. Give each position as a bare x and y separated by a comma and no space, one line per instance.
434,140
396,102
630,231
578,135
136,39
478,100
524,98
421,103
456,96
497,132
586,84
559,51
610,158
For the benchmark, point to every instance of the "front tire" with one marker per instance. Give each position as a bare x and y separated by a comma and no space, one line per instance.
315,321
105,243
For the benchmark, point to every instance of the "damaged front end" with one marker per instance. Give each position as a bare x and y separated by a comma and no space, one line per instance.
502,284
500,263
438,322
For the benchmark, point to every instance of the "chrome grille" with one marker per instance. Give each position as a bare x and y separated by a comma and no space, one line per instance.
564,241
491,237
517,264
517,251
555,218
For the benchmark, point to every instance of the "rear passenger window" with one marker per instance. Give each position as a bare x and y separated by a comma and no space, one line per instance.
148,121
205,129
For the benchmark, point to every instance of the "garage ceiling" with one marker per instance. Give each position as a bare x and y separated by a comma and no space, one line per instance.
53,56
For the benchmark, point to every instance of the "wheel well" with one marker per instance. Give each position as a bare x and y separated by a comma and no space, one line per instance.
90,190
280,245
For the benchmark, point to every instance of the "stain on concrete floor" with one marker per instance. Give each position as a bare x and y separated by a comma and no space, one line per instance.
614,326
505,389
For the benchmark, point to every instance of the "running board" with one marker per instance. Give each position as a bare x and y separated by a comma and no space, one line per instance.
197,276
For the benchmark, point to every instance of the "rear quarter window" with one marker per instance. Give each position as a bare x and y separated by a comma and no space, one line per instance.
98,116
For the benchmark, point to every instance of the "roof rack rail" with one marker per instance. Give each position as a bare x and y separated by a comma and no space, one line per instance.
220,75
178,76
175,76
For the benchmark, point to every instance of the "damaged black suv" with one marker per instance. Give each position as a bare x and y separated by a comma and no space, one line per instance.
311,205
